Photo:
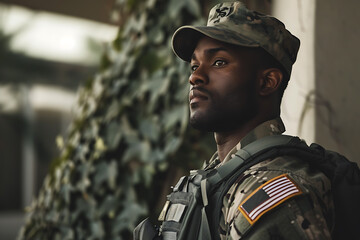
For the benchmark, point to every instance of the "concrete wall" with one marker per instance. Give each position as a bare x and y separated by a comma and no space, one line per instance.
321,103
337,57
299,19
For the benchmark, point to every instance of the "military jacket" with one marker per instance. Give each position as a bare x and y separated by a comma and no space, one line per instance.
281,198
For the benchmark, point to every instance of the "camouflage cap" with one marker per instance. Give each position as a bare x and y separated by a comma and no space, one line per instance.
235,24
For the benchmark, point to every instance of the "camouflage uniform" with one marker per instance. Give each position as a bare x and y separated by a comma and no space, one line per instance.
305,212
308,215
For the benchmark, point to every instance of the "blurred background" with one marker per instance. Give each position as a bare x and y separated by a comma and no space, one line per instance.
49,50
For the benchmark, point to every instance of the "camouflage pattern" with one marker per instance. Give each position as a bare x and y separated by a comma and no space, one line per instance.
307,216
233,23
272,127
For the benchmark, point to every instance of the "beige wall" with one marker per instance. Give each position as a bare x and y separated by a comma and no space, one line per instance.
299,19
337,56
321,103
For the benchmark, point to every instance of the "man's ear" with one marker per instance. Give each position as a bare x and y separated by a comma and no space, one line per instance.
270,81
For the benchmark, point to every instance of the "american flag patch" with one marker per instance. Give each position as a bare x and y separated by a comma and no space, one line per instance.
268,196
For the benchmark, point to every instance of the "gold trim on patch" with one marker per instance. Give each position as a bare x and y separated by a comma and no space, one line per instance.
273,200
162,215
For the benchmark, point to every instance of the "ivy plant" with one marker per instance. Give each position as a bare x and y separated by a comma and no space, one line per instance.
130,139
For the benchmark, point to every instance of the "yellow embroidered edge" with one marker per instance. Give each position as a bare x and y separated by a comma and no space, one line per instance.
275,205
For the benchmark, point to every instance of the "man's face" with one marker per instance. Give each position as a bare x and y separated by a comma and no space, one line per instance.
223,86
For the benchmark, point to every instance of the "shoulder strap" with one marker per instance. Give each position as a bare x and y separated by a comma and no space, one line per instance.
243,156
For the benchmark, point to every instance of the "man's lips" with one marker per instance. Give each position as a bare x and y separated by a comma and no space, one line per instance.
197,95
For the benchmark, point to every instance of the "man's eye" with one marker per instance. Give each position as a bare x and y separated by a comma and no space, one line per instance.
194,67
219,63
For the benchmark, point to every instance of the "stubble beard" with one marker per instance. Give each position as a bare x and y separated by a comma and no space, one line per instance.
217,119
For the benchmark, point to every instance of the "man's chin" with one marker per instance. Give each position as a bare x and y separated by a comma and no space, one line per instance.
200,127
198,122
208,120
202,123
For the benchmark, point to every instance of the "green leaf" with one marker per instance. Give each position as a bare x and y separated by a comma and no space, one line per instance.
113,135
172,145
137,151
156,35
67,233
113,110
112,174
175,116
150,129
151,61
126,219
101,174
66,191
97,230
193,7
109,204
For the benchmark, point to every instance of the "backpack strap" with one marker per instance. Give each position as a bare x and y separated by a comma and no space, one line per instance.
246,154
244,158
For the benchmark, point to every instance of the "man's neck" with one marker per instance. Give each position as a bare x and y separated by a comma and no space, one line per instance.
224,145
227,140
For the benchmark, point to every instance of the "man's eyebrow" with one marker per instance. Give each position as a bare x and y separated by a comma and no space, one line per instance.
210,52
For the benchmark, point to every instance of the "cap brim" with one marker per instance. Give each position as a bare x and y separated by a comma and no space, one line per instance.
186,38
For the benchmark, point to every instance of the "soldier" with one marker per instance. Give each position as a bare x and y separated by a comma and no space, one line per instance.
241,63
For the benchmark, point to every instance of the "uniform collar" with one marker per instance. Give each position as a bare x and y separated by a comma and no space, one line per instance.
271,127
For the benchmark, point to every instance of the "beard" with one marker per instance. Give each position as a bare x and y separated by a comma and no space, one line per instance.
224,117
223,120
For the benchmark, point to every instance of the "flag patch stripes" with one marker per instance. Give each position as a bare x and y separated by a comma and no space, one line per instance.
267,196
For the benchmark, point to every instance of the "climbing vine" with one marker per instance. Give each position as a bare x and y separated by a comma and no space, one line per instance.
126,144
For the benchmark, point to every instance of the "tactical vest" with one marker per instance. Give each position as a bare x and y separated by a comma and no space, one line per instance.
192,211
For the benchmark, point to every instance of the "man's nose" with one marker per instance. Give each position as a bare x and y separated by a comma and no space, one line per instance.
198,77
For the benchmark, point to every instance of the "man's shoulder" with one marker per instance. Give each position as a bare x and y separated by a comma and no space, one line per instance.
297,168
307,178
299,172
269,187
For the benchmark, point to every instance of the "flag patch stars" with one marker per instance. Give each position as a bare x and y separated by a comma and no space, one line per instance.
267,196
